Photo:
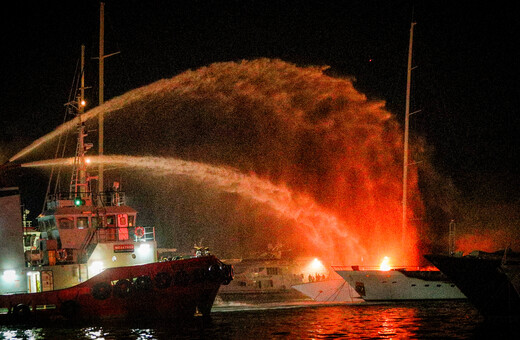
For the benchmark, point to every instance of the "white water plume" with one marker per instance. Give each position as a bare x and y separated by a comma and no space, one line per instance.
112,105
321,228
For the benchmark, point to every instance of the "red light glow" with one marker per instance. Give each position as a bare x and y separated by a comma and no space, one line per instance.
322,158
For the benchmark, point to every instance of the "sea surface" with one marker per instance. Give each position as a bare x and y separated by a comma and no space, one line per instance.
301,320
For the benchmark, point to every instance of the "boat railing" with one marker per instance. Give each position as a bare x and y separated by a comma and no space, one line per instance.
128,234
111,198
106,198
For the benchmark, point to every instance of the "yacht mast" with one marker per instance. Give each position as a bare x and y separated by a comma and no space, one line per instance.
406,134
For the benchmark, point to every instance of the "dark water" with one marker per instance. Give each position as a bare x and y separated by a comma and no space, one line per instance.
418,320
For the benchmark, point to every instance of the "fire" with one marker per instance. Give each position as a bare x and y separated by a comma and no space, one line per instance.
385,264
316,266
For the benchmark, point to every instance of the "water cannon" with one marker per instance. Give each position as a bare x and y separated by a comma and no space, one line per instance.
9,166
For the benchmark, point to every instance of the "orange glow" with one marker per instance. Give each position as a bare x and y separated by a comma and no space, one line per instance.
385,264
484,240
322,158
316,265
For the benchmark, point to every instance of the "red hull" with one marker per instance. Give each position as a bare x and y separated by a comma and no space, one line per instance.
172,289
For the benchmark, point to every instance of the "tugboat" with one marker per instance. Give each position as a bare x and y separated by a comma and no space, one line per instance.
89,259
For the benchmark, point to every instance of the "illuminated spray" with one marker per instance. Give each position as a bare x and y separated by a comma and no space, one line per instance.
300,129
109,107
322,229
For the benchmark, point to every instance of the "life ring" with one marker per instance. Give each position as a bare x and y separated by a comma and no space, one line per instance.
61,255
101,290
122,288
162,280
139,232
70,309
143,283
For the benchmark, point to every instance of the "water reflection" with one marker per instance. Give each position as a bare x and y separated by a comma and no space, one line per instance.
435,320
393,319
94,333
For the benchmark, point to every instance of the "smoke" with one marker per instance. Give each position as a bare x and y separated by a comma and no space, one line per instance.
296,128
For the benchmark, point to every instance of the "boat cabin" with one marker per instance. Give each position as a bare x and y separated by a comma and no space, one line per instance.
78,237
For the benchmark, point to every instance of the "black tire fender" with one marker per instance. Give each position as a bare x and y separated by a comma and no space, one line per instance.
228,274
22,311
215,273
162,280
122,288
101,291
143,283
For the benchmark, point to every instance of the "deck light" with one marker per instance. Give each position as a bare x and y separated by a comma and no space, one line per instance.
385,264
9,275
144,248
95,268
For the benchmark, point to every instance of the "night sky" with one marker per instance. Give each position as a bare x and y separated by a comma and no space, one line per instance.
465,83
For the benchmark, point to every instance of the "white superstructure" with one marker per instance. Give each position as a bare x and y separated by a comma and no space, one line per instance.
397,285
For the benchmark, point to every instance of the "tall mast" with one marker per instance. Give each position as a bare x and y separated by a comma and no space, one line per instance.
406,134
82,178
101,87
79,186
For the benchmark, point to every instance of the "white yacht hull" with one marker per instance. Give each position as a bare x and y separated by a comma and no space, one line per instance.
394,285
334,290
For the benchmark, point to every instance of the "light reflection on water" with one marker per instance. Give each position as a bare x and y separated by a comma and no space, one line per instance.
418,320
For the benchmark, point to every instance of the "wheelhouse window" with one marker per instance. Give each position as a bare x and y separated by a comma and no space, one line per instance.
28,240
131,219
46,224
273,271
111,220
66,223
82,222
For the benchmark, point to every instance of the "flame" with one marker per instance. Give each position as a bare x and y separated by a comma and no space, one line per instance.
316,265
385,264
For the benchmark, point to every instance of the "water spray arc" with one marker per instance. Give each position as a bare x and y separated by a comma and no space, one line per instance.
297,127
315,223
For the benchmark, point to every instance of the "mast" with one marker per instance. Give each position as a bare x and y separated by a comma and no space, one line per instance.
82,189
406,135
101,88
79,183
101,117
